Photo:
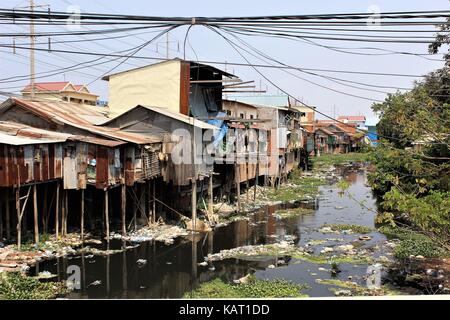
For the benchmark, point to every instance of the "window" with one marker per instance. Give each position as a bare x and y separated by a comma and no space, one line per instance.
251,116
242,116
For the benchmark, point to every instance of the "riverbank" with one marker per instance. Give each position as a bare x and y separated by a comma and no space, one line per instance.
324,246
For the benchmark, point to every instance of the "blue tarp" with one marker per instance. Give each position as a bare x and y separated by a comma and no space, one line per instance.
222,128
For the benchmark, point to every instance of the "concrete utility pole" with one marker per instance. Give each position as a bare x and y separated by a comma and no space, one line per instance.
32,39
167,45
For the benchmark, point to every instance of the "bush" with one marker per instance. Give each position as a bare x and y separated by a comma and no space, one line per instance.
411,247
15,286
255,288
430,213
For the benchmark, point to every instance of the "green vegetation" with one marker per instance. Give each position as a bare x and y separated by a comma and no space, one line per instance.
412,159
324,259
292,213
408,248
300,187
351,227
413,243
430,212
255,288
336,159
357,289
15,286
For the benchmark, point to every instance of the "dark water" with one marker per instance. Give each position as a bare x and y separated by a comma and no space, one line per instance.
173,270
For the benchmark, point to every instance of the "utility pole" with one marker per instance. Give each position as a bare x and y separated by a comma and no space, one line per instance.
32,39
167,45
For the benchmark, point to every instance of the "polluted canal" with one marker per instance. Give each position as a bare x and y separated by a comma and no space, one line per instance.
329,245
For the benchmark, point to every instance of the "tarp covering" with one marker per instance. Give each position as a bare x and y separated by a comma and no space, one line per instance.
222,128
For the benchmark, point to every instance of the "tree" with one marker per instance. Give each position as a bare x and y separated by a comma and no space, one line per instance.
413,158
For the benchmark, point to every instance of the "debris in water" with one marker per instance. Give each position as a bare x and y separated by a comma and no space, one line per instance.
327,250
45,275
95,283
342,293
141,262
243,280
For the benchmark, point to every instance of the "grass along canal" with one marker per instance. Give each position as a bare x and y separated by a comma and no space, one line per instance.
307,238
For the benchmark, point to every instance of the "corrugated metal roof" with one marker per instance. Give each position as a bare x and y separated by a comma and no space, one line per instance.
352,118
174,115
19,134
19,141
56,87
78,116
193,64
182,117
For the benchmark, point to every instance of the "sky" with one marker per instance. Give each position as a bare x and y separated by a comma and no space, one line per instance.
203,44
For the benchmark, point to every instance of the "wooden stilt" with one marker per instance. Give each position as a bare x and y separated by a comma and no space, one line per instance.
44,210
194,259
82,215
238,185
142,203
63,211
134,210
256,177
211,242
210,195
108,268
194,203
7,215
123,208
19,220
1,222
107,214
66,211
57,205
149,202
35,215
20,212
154,202
247,182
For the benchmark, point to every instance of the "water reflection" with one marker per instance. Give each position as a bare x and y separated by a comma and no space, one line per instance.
171,271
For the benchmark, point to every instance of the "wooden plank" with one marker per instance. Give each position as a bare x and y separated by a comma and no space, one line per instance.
57,206
102,167
3,166
82,215
45,162
123,207
35,215
185,76
7,215
107,215
51,162
70,169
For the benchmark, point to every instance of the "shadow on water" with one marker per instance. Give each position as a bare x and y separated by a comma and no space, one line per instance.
171,271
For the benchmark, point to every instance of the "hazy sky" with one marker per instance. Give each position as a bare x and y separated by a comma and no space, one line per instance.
209,46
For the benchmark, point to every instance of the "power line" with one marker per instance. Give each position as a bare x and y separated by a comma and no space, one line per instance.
225,63
307,80
284,91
